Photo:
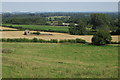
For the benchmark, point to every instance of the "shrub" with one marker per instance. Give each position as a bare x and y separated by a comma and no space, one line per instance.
36,33
79,29
41,41
25,40
53,41
3,40
72,41
63,41
101,38
80,41
34,40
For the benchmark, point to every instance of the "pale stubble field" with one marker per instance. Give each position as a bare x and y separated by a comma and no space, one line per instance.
59,36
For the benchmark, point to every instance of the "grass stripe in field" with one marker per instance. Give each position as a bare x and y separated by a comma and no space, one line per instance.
41,27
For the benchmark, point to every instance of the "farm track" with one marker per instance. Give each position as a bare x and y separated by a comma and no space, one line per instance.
59,36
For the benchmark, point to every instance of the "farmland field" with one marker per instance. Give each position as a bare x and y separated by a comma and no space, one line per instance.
6,28
41,27
54,40
59,36
39,60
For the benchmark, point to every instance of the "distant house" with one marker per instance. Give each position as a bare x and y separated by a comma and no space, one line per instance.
26,32
54,23
75,24
65,24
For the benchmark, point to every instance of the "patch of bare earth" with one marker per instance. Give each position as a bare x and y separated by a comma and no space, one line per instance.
59,36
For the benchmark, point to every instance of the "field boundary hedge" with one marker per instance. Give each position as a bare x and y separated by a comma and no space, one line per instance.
77,40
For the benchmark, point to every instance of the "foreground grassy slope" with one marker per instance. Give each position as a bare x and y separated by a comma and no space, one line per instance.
41,27
37,60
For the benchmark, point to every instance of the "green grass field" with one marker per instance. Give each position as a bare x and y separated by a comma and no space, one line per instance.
44,60
42,27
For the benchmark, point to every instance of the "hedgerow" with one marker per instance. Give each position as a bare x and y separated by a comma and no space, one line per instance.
43,41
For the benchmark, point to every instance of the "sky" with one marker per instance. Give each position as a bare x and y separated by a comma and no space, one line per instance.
59,6
60,0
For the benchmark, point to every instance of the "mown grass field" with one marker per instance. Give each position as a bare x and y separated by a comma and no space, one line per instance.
41,27
40,60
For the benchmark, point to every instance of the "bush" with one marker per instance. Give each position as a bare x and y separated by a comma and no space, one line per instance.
41,41
36,33
63,41
101,38
34,40
53,41
80,29
72,41
80,41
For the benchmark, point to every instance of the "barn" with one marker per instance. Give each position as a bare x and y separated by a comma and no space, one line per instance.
26,32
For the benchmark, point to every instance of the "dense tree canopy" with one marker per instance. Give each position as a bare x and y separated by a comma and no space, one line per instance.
79,29
98,20
25,20
80,23
101,38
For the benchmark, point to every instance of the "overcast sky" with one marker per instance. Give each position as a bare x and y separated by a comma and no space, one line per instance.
60,6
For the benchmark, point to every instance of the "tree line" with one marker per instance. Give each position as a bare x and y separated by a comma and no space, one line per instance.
97,21
86,23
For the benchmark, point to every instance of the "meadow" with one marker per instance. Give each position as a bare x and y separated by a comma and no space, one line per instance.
41,60
63,29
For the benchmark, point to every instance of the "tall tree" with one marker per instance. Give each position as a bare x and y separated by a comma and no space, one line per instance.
79,29
99,19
